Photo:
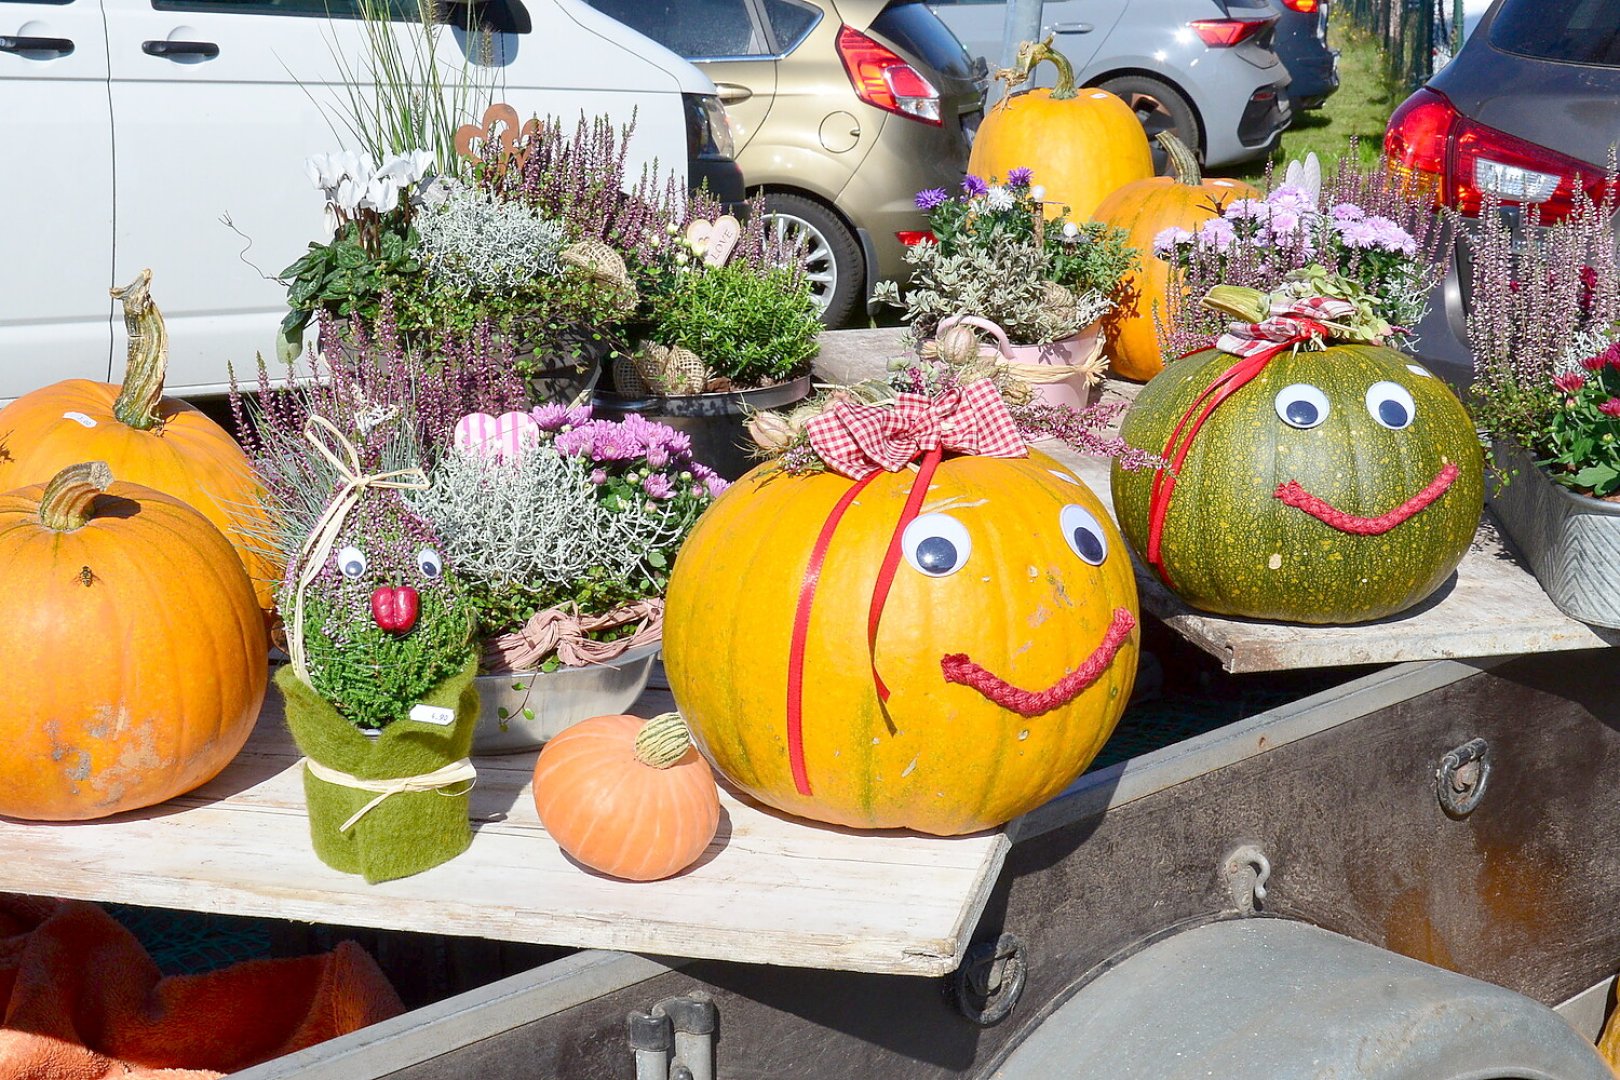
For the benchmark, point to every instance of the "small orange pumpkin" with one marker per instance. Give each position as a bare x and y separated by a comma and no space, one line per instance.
626,796
132,653
1082,144
1144,209
148,439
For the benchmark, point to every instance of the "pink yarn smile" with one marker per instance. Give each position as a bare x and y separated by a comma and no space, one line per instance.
959,669
1291,494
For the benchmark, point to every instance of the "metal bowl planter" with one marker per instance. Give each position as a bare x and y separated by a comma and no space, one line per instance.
520,710
1572,542
714,421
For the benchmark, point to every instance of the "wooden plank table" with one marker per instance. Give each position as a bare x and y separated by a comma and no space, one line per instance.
770,889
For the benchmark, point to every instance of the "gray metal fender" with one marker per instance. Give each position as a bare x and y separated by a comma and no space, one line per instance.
1273,999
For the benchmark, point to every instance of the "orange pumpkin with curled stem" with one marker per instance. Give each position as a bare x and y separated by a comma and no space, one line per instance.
1144,209
146,438
626,796
1081,143
131,649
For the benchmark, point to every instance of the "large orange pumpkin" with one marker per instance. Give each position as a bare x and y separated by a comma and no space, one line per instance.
159,442
1007,642
132,652
627,796
1144,209
1081,143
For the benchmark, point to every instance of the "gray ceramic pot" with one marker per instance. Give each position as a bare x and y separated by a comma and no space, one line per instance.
521,710
1571,542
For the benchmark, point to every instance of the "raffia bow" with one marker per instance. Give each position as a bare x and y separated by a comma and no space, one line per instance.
567,633
318,546
857,440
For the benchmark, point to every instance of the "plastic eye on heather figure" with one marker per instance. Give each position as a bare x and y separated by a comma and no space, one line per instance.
428,561
351,562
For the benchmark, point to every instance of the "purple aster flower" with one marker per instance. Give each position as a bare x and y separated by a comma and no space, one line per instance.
577,415
598,477
1246,210
549,417
1020,177
1570,382
1357,233
610,443
679,443
1292,197
657,457
1166,242
659,487
715,486
973,185
1346,211
575,443
1216,234
930,198
1391,237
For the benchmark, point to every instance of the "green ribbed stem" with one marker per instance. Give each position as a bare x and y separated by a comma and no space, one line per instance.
70,496
663,740
140,401
1182,160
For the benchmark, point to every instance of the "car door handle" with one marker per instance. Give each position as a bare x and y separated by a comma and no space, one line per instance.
731,93
59,45
1073,27
205,49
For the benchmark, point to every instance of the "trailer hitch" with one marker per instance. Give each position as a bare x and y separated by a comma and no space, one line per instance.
1460,779
675,1040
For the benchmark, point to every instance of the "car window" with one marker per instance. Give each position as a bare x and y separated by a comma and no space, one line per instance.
695,29
791,22
334,9
1577,31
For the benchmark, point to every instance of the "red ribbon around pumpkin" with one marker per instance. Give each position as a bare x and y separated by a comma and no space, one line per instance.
862,442
1292,323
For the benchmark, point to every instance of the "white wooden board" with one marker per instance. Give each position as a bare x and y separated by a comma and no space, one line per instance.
770,889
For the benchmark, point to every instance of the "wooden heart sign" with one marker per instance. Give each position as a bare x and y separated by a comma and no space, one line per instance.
500,127
716,239
503,437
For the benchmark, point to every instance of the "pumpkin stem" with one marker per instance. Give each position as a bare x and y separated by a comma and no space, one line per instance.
66,504
1182,160
1030,55
662,741
138,402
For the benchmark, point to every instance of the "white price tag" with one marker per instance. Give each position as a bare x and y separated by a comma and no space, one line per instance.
79,418
433,714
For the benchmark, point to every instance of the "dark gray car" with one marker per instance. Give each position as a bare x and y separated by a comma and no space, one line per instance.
1527,110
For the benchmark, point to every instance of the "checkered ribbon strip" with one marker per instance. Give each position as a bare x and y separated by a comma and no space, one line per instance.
1294,321
857,440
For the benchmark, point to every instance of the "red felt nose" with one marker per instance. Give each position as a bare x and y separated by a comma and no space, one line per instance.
394,608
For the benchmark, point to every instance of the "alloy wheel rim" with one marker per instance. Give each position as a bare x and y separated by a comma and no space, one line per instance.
819,265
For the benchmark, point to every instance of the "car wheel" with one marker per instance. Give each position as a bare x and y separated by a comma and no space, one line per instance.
832,257
1159,107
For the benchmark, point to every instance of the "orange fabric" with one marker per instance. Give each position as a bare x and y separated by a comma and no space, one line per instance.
83,1001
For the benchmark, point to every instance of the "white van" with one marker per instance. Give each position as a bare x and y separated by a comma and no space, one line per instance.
130,130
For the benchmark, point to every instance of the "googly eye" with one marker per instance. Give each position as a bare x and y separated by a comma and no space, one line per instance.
1083,534
428,561
1302,406
351,562
936,545
1391,405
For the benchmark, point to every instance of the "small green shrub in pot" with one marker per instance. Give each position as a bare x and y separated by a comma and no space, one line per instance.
749,327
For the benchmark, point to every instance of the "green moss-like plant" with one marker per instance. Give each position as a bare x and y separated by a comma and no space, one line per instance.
751,327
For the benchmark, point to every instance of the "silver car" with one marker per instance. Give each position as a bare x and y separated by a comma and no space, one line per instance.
1205,69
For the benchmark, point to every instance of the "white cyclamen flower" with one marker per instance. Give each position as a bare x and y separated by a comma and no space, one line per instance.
1000,198
321,171
382,195
347,164
347,195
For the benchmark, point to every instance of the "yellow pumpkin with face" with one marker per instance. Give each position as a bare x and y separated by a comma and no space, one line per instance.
1007,643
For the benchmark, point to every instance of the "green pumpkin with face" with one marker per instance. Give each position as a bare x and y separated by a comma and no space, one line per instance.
1340,485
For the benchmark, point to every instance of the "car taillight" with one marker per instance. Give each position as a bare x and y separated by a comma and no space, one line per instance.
1465,161
884,79
1225,33
913,237
1304,7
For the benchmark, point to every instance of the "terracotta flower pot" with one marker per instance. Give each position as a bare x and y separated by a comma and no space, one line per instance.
1077,351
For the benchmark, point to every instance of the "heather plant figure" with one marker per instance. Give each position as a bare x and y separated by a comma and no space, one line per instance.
1373,227
1544,328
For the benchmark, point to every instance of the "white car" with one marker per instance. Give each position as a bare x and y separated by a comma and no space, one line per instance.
131,130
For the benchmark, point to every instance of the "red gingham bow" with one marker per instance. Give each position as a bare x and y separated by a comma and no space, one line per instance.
1291,322
857,440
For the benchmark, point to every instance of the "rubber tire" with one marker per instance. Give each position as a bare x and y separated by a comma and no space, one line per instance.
1176,114
849,265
